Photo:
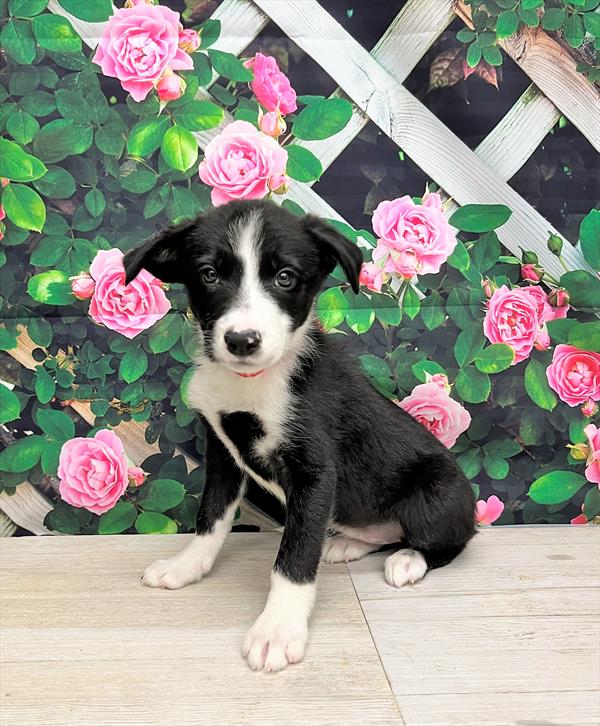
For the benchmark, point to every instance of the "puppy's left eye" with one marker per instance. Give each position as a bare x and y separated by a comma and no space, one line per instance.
286,279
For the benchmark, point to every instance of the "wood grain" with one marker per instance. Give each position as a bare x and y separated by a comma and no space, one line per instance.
83,642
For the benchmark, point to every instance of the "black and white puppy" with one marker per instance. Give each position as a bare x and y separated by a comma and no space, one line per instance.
286,407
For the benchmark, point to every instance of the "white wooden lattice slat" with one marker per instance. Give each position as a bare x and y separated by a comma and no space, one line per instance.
27,507
553,70
440,154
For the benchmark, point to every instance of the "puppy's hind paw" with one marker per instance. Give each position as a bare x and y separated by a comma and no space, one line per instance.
404,566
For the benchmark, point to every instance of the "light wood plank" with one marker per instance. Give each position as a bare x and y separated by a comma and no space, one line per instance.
506,634
440,154
101,648
552,68
27,507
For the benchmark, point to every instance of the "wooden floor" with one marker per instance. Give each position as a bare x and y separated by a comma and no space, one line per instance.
508,634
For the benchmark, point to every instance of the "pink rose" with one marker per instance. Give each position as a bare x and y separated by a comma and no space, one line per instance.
406,263
488,287
574,374
559,298
488,512
126,309
170,87
242,163
431,405
82,286
189,40
270,86
579,519
421,229
371,276
137,46
272,123
93,472
512,317
592,471
136,476
546,311
532,272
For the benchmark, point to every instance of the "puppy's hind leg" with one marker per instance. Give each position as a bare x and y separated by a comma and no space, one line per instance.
222,493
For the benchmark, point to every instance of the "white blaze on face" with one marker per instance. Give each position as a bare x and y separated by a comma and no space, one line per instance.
252,308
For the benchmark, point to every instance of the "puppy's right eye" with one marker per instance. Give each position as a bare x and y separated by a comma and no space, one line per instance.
209,275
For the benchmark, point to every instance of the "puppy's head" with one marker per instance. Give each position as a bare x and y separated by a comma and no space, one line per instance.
252,271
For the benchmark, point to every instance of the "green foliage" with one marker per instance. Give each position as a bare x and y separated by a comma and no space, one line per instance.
322,118
302,164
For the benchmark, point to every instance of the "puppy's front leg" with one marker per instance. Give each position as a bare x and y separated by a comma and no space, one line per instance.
280,633
222,493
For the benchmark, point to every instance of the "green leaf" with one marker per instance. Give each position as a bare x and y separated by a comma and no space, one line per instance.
556,487
139,182
322,119
8,341
133,365
95,202
179,148
591,504
50,458
583,289
92,12
507,24
165,333
480,217
45,386
359,312
24,207
495,358
472,385
17,165
147,135
57,183
459,259
72,106
331,308
155,523
465,35
56,424
474,54
161,494
10,409
411,302
591,22
492,55
18,41
210,30
503,448
468,345
586,336
52,288
495,467
62,519
529,16
470,462
117,519
433,311
574,30
424,367
110,140
61,138
302,164
560,330
229,66
22,126
50,250
553,18
22,455
589,235
55,33
536,385
199,115
485,252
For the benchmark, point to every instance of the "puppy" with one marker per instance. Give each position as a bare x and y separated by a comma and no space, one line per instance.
284,406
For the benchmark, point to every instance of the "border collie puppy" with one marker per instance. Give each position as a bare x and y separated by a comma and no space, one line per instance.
284,406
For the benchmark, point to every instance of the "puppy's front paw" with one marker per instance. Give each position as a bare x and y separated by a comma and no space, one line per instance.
273,643
186,567
404,566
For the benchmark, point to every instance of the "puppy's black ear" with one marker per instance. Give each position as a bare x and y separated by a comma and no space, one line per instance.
335,248
163,255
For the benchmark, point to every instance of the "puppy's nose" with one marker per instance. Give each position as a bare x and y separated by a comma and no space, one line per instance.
243,343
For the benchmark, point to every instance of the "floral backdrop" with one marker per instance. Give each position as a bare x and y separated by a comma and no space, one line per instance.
99,149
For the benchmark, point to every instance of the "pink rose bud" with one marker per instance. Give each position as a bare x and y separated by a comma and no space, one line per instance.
82,286
136,476
3,181
488,287
579,451
542,340
440,379
589,408
279,184
1,232
559,298
133,3
170,87
406,263
272,123
2,213
532,272
189,40
372,276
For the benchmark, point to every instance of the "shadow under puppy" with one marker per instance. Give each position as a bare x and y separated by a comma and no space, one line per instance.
284,405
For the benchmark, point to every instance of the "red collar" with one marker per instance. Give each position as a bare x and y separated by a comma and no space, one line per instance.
249,375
